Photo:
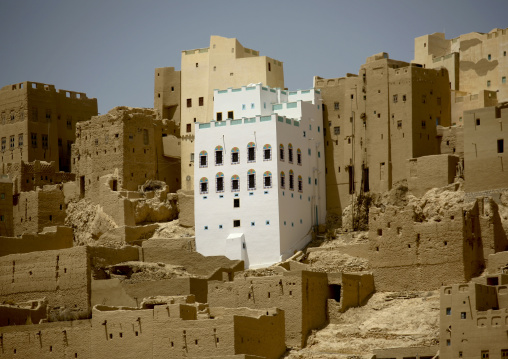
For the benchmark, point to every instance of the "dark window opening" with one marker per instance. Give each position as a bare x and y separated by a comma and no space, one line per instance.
189,102
201,101
220,184
235,185
334,292
267,154
351,179
236,203
268,181
218,158
230,114
492,281
219,116
500,146
252,181
235,157
236,223
251,154
189,127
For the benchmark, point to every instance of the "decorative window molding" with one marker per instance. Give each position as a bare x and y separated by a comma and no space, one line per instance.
235,156
203,159
203,185
267,179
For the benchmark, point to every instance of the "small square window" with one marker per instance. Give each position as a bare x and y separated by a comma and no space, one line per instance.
206,228
267,223
220,226
463,315
219,116
252,224
189,102
236,203
503,79
489,56
488,83
252,105
448,311
236,223
243,107
189,127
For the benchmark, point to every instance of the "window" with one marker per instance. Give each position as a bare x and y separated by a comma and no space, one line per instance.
269,67
291,180
189,102
69,122
300,184
48,115
404,98
2,195
243,107
219,158
504,352
251,152
503,79
336,105
219,182
20,140
13,116
290,153
399,124
299,157
145,137
395,97
235,183
267,179
192,157
489,56
219,116
235,156
488,83
201,101
500,146
485,354
251,179
463,315
281,152
189,127
236,223
12,143
34,139
203,185
236,203
267,153
424,124
4,143
44,141
448,342
282,180
336,130
477,122
448,311
252,106
203,159
231,114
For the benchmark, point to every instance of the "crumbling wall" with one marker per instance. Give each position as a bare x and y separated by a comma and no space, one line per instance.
23,313
50,238
38,209
424,173
186,208
62,276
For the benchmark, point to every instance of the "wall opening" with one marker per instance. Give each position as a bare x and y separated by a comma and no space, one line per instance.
334,292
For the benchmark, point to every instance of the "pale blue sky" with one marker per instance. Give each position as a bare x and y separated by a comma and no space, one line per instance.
109,49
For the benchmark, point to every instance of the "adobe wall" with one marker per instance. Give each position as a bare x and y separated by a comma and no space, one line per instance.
169,287
186,208
210,267
23,313
302,296
6,204
483,131
167,93
427,172
411,255
50,238
59,340
451,140
498,262
38,209
62,276
427,352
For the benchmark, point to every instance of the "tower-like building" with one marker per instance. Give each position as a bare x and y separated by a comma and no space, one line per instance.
259,177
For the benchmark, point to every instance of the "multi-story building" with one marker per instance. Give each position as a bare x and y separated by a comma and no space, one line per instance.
484,148
38,122
166,97
259,179
129,143
6,204
375,121
473,319
477,64
225,63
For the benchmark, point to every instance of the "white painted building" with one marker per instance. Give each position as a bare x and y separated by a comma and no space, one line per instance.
259,174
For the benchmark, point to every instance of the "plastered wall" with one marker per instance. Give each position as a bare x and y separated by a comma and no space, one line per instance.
427,172
51,238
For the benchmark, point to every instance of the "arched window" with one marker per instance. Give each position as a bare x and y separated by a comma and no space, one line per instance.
267,153
235,156
203,185
281,152
290,153
267,179
251,179
299,157
291,180
300,184
235,183
251,152
203,159
219,182
219,156
282,180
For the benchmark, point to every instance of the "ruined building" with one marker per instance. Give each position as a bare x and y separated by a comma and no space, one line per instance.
6,200
225,63
38,122
411,252
129,143
262,172
375,121
473,319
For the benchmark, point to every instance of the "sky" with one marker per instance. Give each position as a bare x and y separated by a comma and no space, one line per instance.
110,49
